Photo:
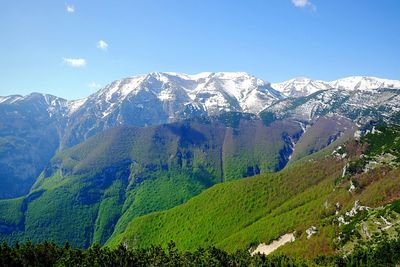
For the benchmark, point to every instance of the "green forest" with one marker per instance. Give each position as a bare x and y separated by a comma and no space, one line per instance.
384,253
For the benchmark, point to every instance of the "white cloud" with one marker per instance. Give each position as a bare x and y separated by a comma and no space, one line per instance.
94,85
75,62
70,8
303,4
102,45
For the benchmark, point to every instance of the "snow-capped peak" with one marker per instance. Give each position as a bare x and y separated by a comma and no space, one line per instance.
214,91
364,83
304,86
239,91
300,86
49,100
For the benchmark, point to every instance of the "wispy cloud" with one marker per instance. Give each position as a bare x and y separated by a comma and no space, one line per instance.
102,45
70,8
75,62
94,85
304,4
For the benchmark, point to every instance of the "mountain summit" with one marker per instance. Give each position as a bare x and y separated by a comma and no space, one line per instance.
300,86
212,93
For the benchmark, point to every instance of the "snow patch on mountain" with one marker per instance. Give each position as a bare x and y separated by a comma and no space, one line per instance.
55,105
74,105
10,99
120,89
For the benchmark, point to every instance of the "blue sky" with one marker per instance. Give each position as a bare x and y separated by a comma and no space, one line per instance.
52,46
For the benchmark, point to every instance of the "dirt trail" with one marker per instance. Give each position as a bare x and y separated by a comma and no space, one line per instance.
267,249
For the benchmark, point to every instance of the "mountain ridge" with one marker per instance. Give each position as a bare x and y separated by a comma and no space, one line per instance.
348,82
210,93
303,86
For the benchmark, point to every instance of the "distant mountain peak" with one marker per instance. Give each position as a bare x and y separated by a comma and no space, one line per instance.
300,86
215,91
364,83
303,86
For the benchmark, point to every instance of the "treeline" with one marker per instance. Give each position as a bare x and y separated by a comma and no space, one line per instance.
386,253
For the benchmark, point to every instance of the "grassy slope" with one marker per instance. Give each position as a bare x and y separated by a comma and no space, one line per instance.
102,184
221,215
244,213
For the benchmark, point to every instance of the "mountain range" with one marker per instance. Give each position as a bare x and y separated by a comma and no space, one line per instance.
34,127
107,168
303,86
